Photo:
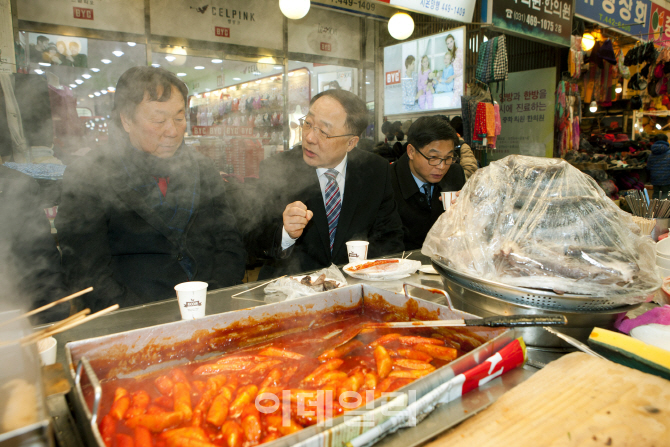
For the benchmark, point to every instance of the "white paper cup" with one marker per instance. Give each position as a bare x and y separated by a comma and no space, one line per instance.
357,250
47,350
447,197
192,298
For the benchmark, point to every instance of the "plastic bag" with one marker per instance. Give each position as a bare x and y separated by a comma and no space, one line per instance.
290,288
541,223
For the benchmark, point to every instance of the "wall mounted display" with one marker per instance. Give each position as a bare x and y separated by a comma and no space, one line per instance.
424,74
335,80
59,51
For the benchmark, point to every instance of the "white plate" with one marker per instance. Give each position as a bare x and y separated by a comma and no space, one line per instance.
314,278
428,269
373,271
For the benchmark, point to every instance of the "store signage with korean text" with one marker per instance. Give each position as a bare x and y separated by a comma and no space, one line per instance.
241,22
659,25
547,20
371,8
461,10
627,16
118,15
323,32
527,114
223,131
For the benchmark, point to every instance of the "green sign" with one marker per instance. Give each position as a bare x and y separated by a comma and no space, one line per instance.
527,115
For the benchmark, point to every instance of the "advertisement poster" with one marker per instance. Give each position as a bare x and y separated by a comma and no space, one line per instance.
627,16
61,51
547,20
335,80
323,33
527,115
424,74
125,16
461,10
659,25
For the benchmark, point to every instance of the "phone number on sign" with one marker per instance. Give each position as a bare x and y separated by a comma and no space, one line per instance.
369,6
534,21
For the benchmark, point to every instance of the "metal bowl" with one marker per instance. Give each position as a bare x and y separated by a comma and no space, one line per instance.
474,300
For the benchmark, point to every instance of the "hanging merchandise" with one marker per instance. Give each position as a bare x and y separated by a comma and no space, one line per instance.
492,63
576,58
568,116
486,124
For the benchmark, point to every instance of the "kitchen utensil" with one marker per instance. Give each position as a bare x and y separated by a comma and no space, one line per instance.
576,343
511,321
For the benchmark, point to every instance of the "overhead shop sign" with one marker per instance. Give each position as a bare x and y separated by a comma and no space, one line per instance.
659,25
240,22
370,8
126,16
461,10
325,33
627,16
549,21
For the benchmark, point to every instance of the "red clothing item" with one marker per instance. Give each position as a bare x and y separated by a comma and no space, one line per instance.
163,183
480,122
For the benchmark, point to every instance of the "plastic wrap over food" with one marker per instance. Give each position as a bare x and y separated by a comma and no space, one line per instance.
541,223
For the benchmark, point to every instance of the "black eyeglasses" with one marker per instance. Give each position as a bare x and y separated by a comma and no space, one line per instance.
435,161
320,134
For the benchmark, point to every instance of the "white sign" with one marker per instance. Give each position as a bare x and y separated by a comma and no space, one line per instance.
325,33
126,16
7,60
370,8
254,23
461,10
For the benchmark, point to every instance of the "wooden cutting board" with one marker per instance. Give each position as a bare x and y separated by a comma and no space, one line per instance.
578,400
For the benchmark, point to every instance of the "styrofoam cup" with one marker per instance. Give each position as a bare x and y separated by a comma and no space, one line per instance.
47,349
447,197
357,250
192,298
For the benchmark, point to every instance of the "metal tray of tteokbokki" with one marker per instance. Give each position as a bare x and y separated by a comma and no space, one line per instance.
280,373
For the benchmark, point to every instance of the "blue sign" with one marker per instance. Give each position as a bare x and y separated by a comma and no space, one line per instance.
627,16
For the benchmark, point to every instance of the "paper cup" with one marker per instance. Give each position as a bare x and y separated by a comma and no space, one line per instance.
47,350
192,297
357,250
447,197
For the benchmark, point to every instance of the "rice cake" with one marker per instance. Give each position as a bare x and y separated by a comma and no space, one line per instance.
578,400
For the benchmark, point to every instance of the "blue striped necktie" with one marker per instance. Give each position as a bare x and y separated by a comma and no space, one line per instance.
333,204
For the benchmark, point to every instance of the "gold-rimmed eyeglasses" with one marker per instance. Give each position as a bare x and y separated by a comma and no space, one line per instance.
320,134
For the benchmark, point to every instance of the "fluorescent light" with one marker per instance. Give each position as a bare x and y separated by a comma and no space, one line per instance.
117,53
217,61
95,70
105,61
199,67
237,79
278,67
111,89
367,83
181,74
131,44
104,92
91,96
86,76
244,85
170,58
44,64
38,71
73,85
96,93
79,81
156,65
258,82
658,126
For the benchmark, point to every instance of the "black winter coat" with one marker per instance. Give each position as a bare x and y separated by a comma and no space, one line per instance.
417,217
112,240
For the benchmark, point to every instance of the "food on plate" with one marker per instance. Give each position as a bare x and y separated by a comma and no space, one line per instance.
367,265
320,283
541,223
217,402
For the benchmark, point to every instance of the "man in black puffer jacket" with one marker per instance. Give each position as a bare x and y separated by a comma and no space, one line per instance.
658,165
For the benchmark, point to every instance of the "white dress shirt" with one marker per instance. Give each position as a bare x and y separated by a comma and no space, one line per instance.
286,240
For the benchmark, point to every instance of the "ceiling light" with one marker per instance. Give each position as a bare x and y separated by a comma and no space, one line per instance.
105,61
593,107
258,82
658,126
588,41
91,96
291,74
78,81
618,89
199,67
117,53
38,71
95,70
294,9
86,76
401,26
131,44
44,64
73,85
367,83
156,65
96,93
267,60
217,61
244,85
170,58
181,74
104,92
237,79
111,89
278,67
